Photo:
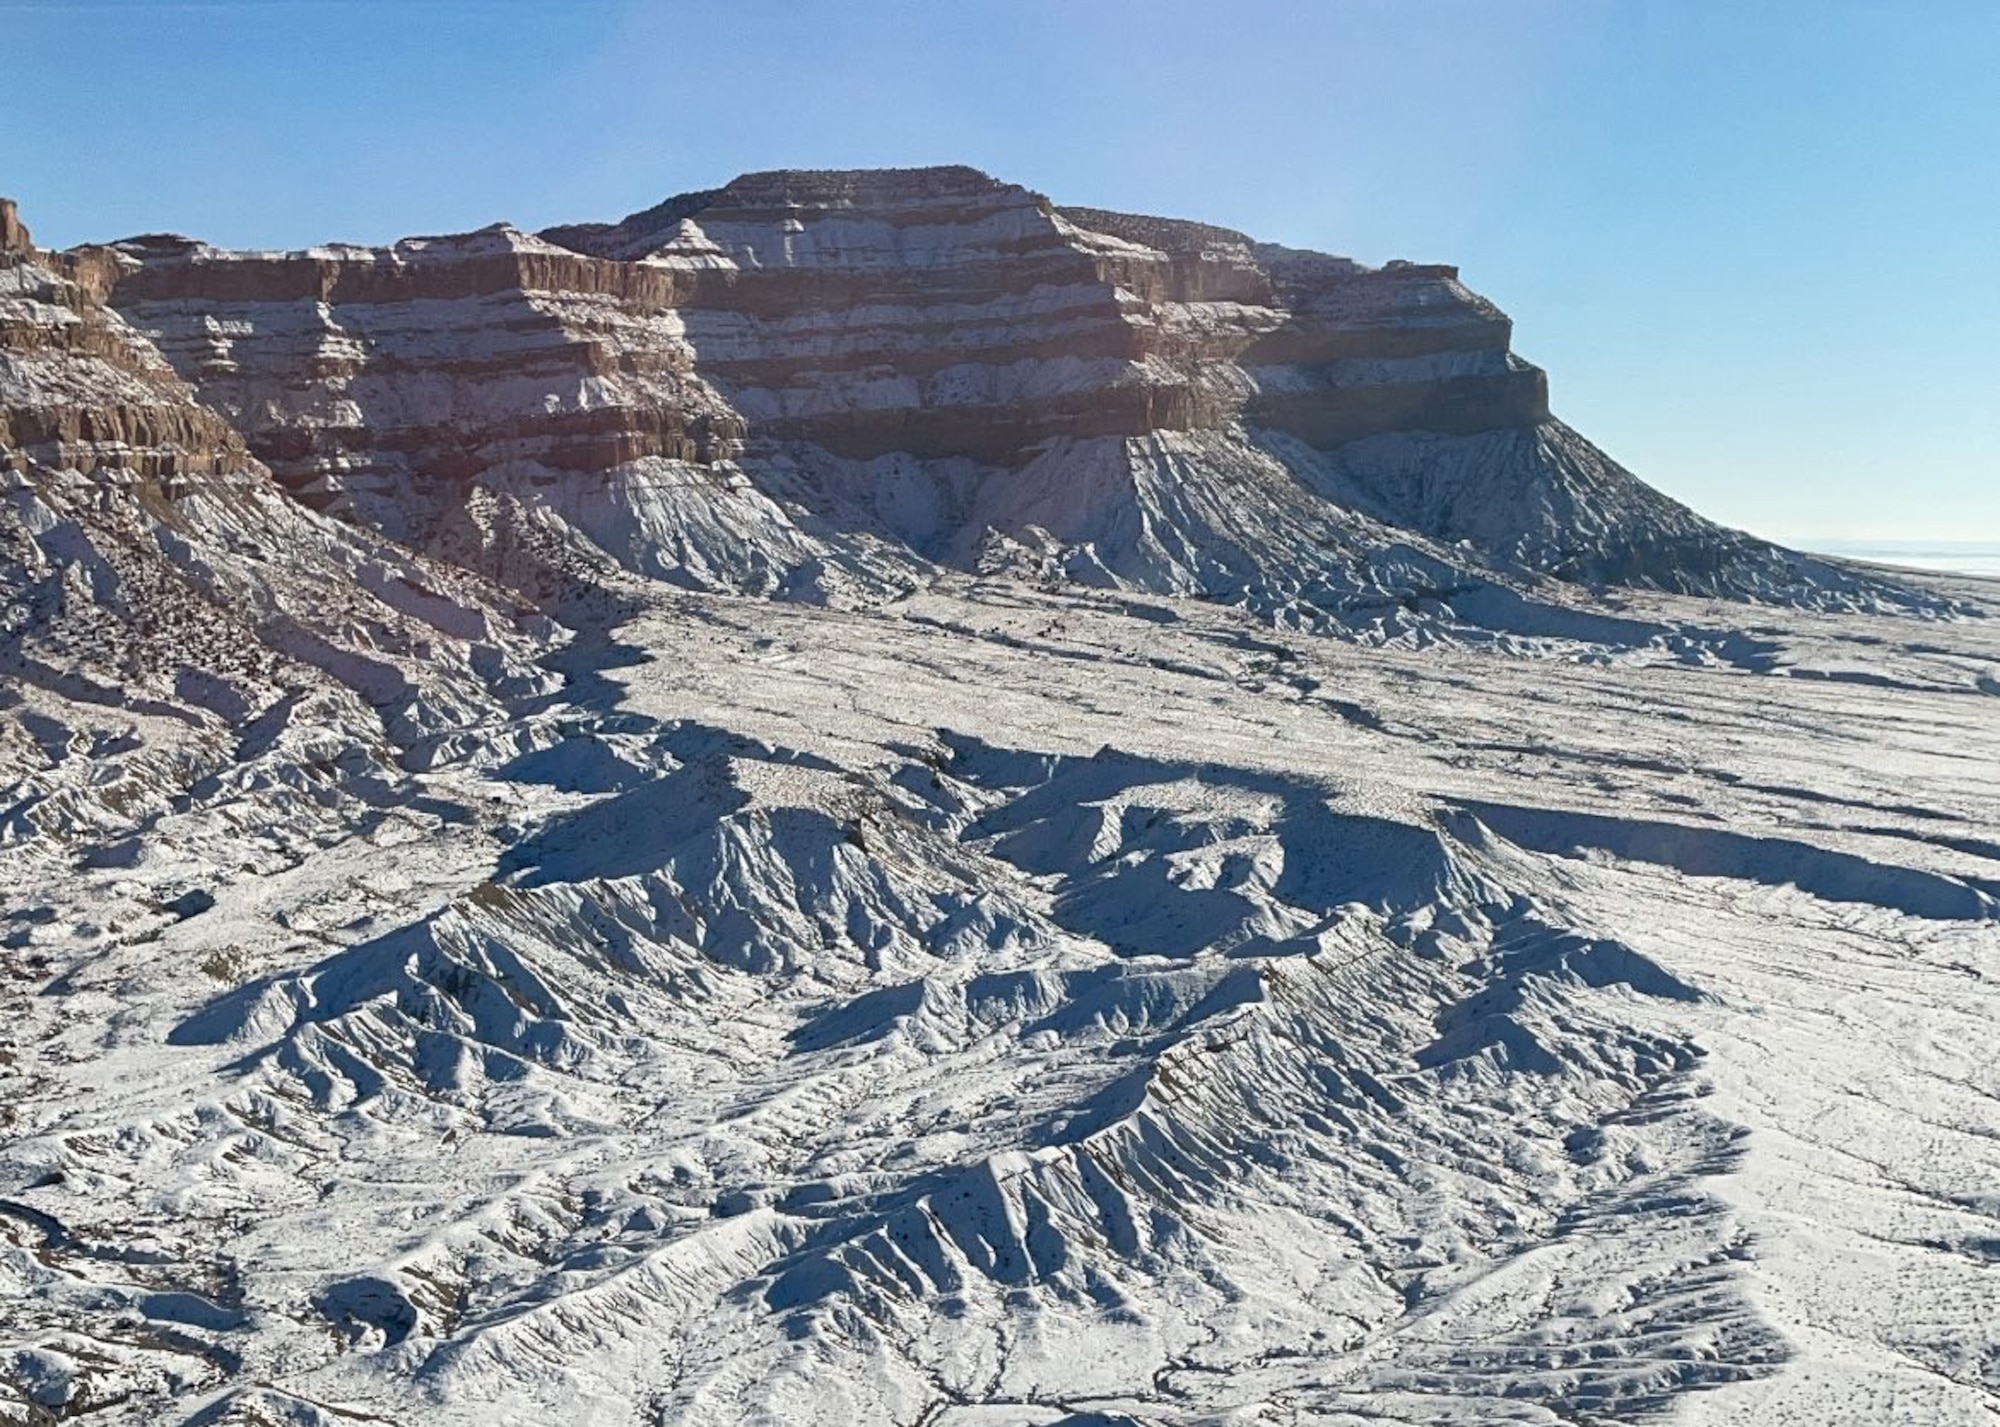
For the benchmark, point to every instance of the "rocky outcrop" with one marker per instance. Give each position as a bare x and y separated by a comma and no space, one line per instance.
941,313
354,369
82,392
813,384
150,564
13,233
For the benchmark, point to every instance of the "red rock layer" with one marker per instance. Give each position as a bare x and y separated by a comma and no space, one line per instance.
83,393
934,312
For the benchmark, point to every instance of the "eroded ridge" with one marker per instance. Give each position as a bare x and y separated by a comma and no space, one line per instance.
960,1081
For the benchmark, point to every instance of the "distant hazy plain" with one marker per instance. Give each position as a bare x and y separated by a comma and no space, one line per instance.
1965,557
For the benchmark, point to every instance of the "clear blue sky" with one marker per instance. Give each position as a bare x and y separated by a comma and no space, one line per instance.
1754,242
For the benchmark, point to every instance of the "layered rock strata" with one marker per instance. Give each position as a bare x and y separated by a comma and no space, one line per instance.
810,383
150,564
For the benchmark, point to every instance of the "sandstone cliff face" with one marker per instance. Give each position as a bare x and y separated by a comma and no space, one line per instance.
821,384
82,391
941,313
150,565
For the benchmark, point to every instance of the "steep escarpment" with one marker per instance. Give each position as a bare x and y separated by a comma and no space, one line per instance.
1335,350
169,615
823,384
520,409
82,392
934,313
1005,321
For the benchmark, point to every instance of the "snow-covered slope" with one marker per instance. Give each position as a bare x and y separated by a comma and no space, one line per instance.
1030,1008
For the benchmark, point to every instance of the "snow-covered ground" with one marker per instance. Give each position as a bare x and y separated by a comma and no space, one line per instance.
1019,1006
